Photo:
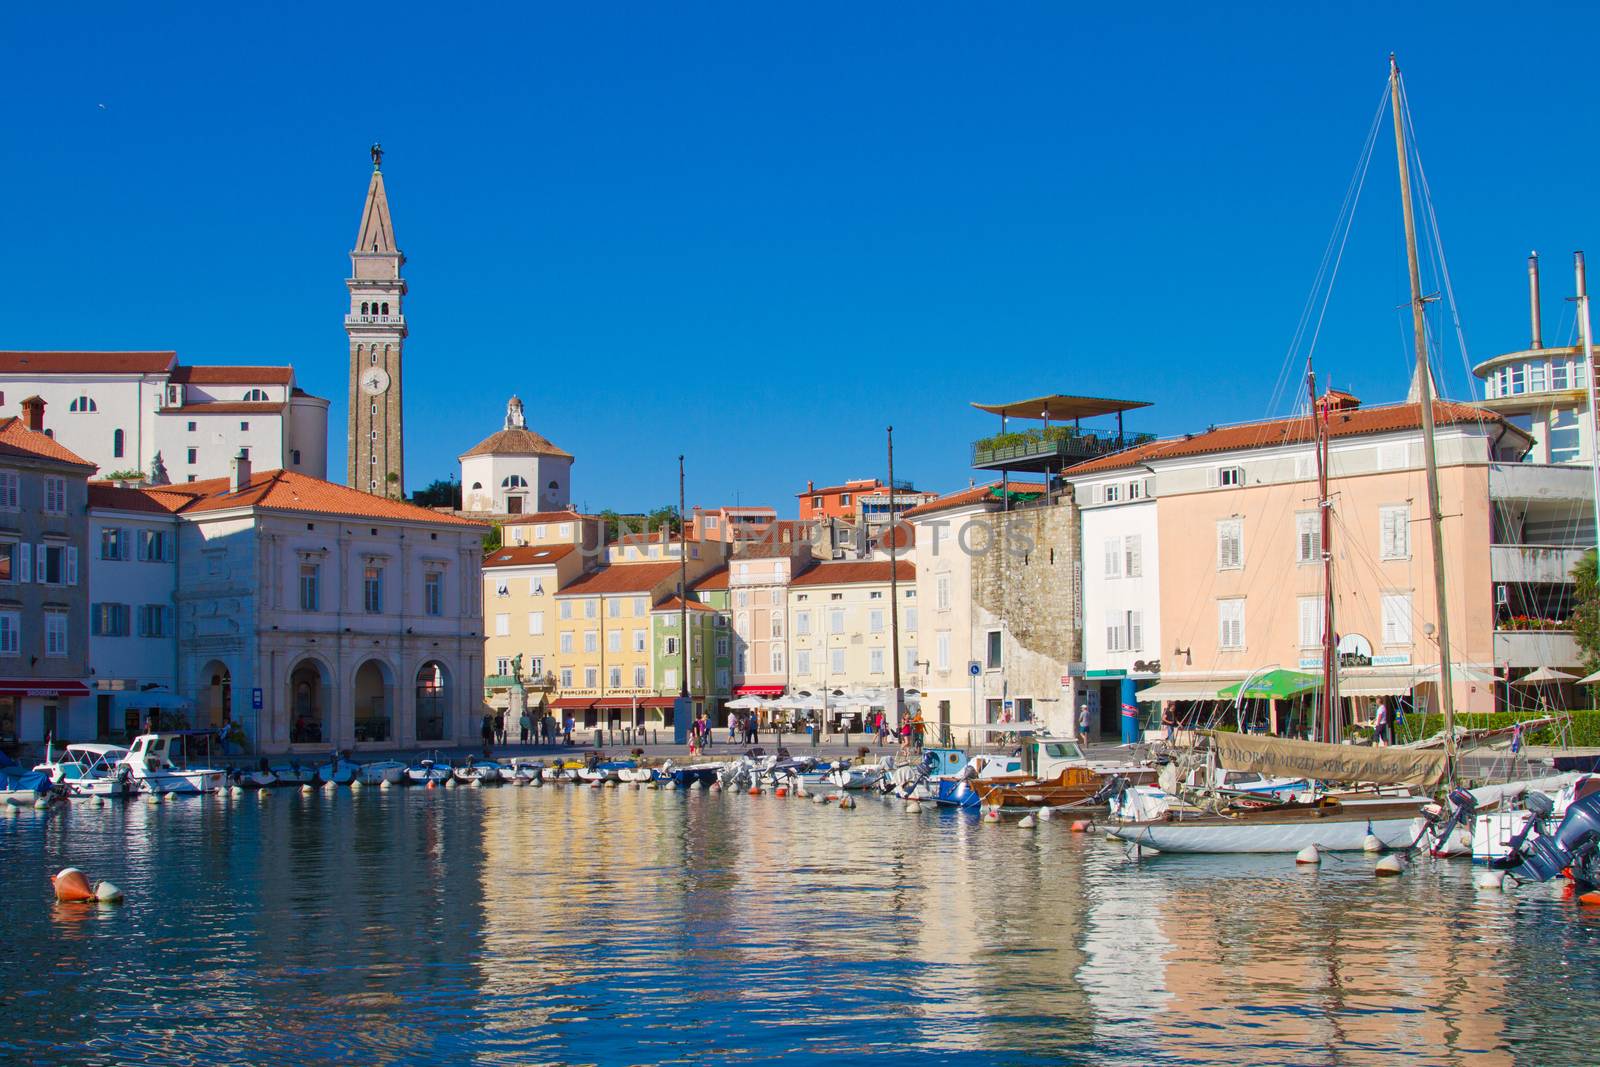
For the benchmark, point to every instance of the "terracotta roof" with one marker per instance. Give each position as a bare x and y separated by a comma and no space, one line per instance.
848,487
526,555
85,362
228,407
717,579
672,602
976,494
280,490
856,572
515,442
148,499
900,535
545,516
218,375
17,440
1353,422
620,578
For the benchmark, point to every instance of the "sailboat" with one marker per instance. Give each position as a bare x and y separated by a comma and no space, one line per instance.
1343,822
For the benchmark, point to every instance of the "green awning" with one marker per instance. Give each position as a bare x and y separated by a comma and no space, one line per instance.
1274,685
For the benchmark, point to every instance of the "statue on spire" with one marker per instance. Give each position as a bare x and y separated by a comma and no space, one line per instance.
514,419
158,471
377,155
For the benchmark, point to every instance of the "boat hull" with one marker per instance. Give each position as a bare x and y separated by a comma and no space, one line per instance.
188,782
1397,826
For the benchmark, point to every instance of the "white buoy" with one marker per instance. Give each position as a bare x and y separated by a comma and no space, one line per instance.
1389,866
107,893
1372,843
653,784
41,803
1046,814
152,798
1310,855
1489,879
1028,822
991,814
355,784
308,788
819,798
913,806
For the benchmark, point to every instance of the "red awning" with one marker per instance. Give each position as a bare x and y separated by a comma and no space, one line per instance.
658,702
573,703
758,690
41,687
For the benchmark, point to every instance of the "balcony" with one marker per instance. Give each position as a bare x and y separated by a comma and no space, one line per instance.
374,320
1049,449
1536,648
1545,564
1539,481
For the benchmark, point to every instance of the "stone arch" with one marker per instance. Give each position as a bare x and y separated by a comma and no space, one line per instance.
215,693
435,699
372,693
309,700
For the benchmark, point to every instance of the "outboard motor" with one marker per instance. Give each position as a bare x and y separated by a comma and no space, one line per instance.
1463,810
1536,855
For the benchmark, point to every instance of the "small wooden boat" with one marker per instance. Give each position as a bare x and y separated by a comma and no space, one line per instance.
425,771
1263,826
1072,787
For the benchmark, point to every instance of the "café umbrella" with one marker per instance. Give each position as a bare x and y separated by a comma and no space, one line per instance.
1273,685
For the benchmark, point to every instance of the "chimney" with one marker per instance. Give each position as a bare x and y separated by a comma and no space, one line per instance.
239,471
33,413
811,486
1533,298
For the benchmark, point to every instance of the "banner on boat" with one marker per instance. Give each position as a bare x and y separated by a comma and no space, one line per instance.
1279,757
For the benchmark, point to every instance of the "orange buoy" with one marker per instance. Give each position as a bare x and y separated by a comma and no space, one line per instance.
780,792
1081,826
1590,900
755,790
72,885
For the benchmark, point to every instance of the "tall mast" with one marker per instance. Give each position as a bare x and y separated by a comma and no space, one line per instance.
1584,331
894,586
1330,725
1447,699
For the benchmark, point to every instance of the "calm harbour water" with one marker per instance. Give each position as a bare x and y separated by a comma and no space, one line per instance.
565,925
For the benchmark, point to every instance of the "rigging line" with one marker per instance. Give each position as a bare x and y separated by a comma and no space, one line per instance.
1343,241
1427,203
1344,218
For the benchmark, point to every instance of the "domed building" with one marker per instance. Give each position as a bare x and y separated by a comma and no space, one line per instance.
515,471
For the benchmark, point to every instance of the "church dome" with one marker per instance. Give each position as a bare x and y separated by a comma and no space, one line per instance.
518,441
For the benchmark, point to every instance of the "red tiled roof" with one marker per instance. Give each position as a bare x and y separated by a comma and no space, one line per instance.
900,535
620,578
280,490
526,555
847,487
672,602
852,572
976,494
85,362
147,499
17,440
217,375
1352,422
717,579
515,442
228,407
546,516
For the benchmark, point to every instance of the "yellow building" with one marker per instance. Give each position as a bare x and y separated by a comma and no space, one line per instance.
840,633
519,587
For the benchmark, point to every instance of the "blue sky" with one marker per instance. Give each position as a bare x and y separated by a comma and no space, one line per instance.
759,234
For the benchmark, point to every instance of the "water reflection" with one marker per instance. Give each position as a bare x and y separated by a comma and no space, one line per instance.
575,925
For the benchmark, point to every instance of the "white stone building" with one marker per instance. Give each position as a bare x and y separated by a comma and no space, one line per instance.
120,409
515,471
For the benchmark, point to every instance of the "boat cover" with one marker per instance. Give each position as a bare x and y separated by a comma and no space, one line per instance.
1277,756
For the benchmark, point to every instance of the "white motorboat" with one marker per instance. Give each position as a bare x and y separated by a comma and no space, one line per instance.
1492,830
424,771
380,771
1145,802
484,772
89,770
1331,825
522,770
295,773
860,775
158,764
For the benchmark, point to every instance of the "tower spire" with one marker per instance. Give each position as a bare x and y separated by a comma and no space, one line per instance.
376,324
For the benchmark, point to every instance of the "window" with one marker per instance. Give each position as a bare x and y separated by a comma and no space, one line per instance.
836,661
993,643
109,620
844,500
744,598
372,589
802,662
614,641
535,587
1563,435
941,592
502,666
1230,544
14,563
1135,631
1136,489
156,546
875,660
10,633
566,529
51,566
911,619
591,677
836,621
116,443
433,593
816,502
875,621
1230,623
911,660
614,677
155,620
535,623
802,624
502,589
1113,557
83,405
1308,537
55,633
876,594
639,640
566,641
1397,618
113,542
777,659
1394,524
941,650
246,451
671,646
566,609
193,426
638,677
1311,619
294,456
566,675
669,678
55,495
591,640
1558,375
502,624
310,586
194,455
10,490
1116,636
639,607
1112,493
591,608
1227,476
1132,556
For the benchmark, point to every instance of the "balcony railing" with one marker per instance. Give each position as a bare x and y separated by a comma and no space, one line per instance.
1549,564
363,320
1065,444
1537,648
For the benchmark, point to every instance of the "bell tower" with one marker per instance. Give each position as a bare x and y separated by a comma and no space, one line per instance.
376,324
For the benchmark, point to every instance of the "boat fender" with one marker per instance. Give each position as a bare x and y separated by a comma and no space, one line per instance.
991,814
716,787
1310,855
1389,867
847,802
431,783
355,784
755,790
802,792
152,798
913,807
1589,900
107,893
819,799
1046,814
1372,843
1082,826
780,792
71,885
42,802
308,788
1489,879
1028,822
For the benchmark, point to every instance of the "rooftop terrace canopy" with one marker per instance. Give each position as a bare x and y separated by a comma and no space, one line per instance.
1061,408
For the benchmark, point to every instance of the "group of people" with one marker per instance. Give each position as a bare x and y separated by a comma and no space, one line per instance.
532,728
745,727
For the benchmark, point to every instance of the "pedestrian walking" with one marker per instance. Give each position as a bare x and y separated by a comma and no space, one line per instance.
569,724
500,728
1381,730
487,733
735,724
1083,721
525,724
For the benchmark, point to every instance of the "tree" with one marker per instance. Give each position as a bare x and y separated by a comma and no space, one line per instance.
440,493
491,539
1586,609
666,515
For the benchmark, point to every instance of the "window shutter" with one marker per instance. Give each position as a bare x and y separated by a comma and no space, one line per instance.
1113,631
169,546
1135,631
1135,556
72,565
1113,557
1211,477
24,558
41,569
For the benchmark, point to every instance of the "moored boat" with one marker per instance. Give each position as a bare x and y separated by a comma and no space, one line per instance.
424,771
89,770
378,772
158,763
1331,825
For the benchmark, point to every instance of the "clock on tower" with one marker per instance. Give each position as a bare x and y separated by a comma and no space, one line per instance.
376,324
